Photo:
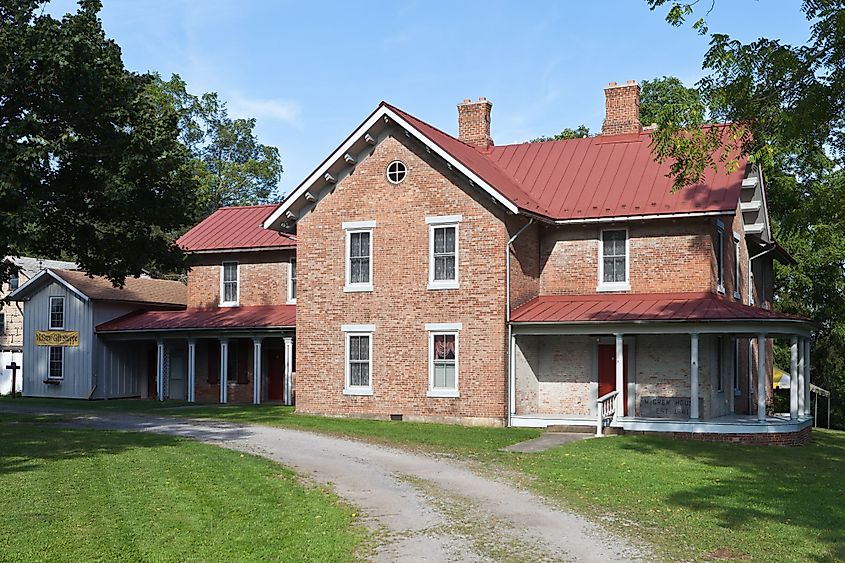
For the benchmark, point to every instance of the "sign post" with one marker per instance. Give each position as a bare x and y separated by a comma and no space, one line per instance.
14,367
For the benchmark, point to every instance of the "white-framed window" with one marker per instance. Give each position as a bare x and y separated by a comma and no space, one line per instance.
292,280
56,362
358,359
737,276
443,354
359,255
230,281
57,313
613,261
396,172
14,281
443,253
720,256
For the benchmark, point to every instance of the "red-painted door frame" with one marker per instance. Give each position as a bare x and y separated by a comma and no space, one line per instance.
606,355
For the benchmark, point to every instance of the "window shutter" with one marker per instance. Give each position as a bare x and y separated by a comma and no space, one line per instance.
243,357
214,363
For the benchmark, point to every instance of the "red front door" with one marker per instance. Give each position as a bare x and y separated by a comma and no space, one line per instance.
275,375
607,369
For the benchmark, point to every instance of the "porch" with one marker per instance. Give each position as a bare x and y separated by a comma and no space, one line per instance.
707,373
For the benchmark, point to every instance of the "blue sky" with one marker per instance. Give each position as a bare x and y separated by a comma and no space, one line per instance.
310,72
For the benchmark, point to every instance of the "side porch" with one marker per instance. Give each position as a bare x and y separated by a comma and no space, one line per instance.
706,376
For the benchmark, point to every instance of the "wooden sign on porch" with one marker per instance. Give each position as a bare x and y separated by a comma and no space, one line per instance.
667,407
57,338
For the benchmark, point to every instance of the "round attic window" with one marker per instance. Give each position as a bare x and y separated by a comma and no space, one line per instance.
396,171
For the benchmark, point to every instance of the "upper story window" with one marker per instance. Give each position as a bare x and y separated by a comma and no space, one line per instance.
396,171
720,257
14,281
613,261
358,363
57,313
443,359
292,281
737,277
359,255
229,284
443,251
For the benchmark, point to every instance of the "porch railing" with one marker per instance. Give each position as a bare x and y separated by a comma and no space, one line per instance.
606,409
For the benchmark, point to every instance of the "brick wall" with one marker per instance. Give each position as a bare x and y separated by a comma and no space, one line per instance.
554,375
622,109
474,122
11,336
400,305
665,257
263,277
785,439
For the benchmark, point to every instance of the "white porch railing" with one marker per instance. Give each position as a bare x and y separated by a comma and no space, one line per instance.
605,411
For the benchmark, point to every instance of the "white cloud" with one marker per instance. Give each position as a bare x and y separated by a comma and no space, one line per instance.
276,109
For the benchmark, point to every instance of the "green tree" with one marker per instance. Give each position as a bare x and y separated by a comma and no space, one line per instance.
230,165
785,106
93,168
579,132
659,94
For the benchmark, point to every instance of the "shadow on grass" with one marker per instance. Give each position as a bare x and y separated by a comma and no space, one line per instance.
762,489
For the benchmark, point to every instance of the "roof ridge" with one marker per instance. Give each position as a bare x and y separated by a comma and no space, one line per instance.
458,139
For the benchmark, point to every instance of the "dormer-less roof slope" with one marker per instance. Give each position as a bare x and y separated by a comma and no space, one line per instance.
235,228
602,178
135,290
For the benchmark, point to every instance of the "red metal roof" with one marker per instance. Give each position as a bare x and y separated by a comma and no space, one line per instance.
231,228
597,177
641,307
610,176
252,317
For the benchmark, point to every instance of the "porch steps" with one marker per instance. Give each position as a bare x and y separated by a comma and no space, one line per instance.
572,428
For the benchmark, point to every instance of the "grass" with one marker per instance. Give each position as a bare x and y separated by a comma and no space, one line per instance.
91,495
692,500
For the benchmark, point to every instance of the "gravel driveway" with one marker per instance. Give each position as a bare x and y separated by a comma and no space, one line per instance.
424,508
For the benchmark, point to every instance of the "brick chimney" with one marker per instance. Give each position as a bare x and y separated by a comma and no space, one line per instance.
622,109
474,122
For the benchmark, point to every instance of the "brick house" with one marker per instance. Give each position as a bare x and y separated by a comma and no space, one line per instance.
239,319
553,283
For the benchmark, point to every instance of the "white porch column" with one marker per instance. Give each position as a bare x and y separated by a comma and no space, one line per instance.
256,370
801,360
794,383
288,394
192,370
160,371
620,376
693,404
807,394
761,377
224,369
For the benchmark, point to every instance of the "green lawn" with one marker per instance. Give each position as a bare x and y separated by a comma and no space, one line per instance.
93,495
694,501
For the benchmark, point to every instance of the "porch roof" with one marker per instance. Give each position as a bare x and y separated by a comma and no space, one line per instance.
641,307
250,317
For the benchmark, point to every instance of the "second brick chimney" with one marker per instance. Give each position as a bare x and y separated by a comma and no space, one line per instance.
474,122
622,109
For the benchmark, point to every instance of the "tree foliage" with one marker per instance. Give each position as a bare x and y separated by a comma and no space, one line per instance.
230,165
660,95
786,109
93,167
579,132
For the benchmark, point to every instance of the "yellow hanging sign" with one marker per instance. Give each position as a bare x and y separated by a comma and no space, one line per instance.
57,338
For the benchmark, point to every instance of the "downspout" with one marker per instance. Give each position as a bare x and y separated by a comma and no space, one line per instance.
510,370
750,340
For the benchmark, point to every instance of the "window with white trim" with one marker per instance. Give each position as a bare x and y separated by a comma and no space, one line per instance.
14,281
358,360
443,253
443,363
720,257
229,284
292,281
396,171
737,277
57,313
359,255
56,362
613,261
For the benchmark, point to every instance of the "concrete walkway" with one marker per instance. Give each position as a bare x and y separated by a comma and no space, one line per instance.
425,508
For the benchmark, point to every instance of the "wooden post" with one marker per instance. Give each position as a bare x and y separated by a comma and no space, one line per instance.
14,367
160,371
192,370
793,379
807,343
693,405
761,377
256,370
224,370
802,405
620,376
288,394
